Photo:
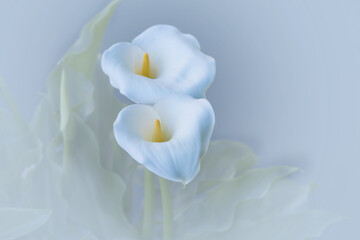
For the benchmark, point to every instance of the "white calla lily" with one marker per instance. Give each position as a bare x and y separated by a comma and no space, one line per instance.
186,127
175,65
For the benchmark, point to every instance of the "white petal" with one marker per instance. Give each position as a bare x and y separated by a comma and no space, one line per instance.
180,63
186,121
176,63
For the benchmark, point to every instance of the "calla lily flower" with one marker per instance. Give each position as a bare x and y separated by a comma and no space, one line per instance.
168,138
174,64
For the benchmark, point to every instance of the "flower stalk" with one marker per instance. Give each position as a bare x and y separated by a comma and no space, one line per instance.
165,193
167,209
148,217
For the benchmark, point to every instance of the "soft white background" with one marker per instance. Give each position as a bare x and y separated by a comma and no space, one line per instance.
287,84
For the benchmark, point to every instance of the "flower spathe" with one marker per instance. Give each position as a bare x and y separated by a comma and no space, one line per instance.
176,65
185,126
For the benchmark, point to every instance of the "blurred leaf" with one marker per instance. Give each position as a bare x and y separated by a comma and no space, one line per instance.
12,106
224,161
44,183
19,222
281,214
78,64
101,120
69,162
299,226
238,158
82,56
214,210
44,190
94,194
19,152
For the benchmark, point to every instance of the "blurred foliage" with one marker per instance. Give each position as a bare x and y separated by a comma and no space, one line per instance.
64,177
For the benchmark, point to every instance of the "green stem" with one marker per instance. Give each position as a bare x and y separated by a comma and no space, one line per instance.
167,209
148,218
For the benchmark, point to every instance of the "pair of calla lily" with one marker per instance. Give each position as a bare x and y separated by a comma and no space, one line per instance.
166,74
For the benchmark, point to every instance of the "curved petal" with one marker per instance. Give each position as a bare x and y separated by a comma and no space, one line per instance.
176,62
186,122
181,64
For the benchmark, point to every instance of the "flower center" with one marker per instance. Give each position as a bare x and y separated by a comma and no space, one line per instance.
160,134
146,71
158,137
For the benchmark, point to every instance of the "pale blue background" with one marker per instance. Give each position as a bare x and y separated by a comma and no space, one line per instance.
287,84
